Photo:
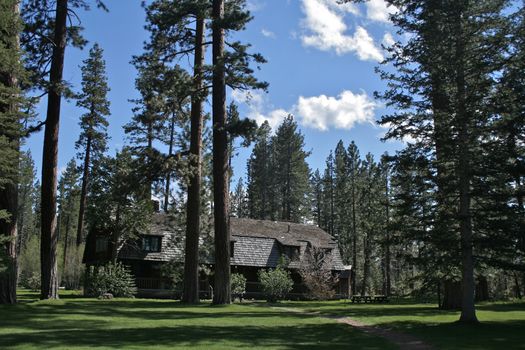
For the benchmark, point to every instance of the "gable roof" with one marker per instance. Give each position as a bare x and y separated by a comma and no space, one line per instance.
257,243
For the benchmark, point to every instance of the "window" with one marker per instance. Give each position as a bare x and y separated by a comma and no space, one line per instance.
101,244
151,244
291,252
232,245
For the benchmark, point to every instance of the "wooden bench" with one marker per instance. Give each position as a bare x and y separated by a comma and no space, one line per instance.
369,299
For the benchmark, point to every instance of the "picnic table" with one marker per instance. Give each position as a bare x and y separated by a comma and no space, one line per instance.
369,299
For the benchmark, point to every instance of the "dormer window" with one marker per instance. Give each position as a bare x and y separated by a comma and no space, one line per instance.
151,244
291,252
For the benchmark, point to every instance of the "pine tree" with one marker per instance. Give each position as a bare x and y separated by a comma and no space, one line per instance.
92,142
354,164
260,184
10,134
291,172
68,203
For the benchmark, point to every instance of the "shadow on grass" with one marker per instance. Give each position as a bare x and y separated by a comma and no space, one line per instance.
143,324
324,336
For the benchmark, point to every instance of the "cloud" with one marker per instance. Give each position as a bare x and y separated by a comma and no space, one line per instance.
388,40
377,10
318,112
267,33
257,103
327,31
341,112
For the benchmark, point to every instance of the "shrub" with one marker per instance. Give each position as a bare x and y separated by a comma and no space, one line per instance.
238,285
275,283
112,278
31,282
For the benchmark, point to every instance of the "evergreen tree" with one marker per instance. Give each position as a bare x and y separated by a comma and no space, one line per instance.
291,172
93,138
260,185
10,133
68,204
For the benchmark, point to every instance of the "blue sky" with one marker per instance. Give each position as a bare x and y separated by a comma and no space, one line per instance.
321,59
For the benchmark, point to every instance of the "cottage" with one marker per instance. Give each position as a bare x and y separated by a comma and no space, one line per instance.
255,245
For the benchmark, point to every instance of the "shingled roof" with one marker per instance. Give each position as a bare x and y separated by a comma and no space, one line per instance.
257,243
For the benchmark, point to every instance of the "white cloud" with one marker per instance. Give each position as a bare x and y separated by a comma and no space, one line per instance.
377,10
268,33
341,112
388,40
327,31
317,112
257,107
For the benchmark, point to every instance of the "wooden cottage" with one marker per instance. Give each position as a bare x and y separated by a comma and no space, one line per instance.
255,245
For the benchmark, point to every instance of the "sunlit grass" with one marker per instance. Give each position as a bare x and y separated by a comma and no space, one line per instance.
80,323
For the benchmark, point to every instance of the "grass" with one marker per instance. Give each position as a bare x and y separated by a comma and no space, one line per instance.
79,323
502,324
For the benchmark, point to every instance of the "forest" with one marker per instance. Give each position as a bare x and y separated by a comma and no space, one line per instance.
441,219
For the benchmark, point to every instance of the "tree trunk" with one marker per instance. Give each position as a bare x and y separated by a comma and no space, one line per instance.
388,282
168,176
83,193
66,243
452,295
468,309
190,293
222,292
353,273
49,239
9,196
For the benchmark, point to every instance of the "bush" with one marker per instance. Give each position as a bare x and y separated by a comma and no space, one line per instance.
238,285
31,282
275,283
112,278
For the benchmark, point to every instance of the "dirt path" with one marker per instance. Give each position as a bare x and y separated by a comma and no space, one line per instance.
404,341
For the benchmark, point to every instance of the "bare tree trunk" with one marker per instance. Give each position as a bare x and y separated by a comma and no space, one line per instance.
168,176
190,292
388,282
353,273
222,292
66,245
366,265
115,236
49,239
468,309
83,193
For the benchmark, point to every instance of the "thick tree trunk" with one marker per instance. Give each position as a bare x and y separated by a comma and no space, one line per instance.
83,193
190,292
9,199
222,292
468,310
49,239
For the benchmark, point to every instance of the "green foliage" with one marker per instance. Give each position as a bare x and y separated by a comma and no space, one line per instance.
276,283
174,271
278,174
111,278
238,284
31,282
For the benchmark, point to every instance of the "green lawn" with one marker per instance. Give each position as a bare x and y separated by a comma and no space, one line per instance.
78,323
502,325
